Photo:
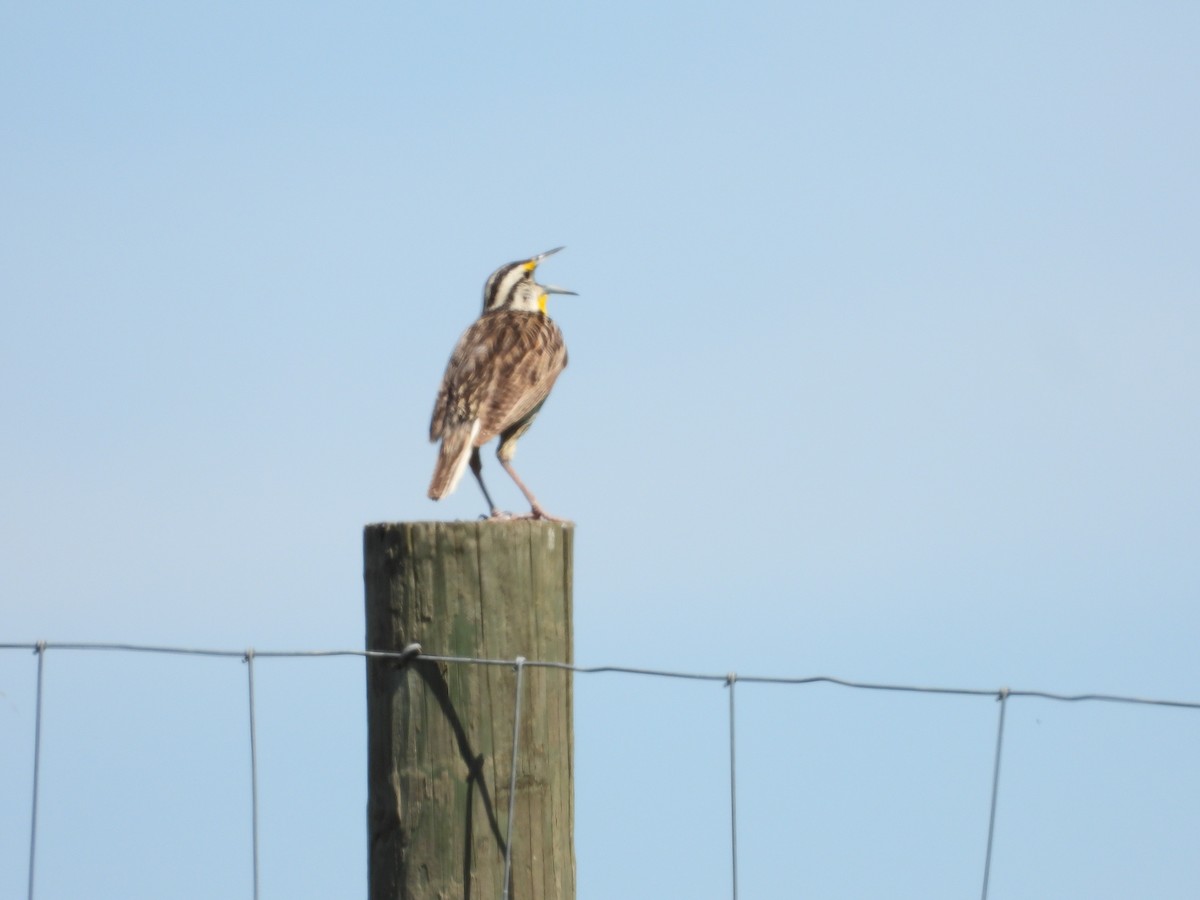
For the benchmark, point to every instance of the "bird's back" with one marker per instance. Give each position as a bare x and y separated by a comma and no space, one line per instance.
501,370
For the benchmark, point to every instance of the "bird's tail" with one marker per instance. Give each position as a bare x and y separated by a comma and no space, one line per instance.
452,460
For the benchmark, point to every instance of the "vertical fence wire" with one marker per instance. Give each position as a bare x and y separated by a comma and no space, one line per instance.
512,781
987,860
253,768
730,681
40,650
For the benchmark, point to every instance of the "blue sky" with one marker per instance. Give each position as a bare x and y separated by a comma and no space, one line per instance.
884,366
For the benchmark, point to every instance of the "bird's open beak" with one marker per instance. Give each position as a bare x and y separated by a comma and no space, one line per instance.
537,259
549,288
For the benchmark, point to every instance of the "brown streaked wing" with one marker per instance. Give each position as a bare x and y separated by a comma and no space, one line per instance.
468,373
502,367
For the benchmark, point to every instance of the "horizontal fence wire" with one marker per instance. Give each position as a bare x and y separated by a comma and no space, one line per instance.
414,651
722,678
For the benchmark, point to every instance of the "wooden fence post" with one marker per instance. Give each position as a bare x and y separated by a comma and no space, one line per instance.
440,734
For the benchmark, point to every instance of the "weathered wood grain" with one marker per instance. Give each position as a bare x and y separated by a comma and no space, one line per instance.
440,735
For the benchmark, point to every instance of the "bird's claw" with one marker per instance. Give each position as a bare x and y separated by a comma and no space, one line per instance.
537,513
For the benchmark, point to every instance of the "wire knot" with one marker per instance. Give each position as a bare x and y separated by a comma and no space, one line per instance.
408,654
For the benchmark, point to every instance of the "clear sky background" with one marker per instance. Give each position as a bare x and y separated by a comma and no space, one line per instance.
885,365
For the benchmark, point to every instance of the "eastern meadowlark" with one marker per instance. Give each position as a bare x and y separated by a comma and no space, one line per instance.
497,379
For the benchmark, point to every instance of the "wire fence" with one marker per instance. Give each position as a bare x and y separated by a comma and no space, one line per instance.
729,680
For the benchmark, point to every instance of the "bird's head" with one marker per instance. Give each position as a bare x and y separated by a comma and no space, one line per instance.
512,286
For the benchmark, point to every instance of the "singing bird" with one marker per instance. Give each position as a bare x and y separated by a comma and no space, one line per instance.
498,377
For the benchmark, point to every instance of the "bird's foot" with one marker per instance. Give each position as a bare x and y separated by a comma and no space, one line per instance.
537,513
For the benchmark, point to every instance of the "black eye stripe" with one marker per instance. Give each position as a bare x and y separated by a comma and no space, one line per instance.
492,298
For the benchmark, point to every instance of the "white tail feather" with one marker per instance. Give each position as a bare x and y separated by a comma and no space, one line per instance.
450,469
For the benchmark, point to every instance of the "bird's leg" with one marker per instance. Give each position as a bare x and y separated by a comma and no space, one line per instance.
538,512
477,471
